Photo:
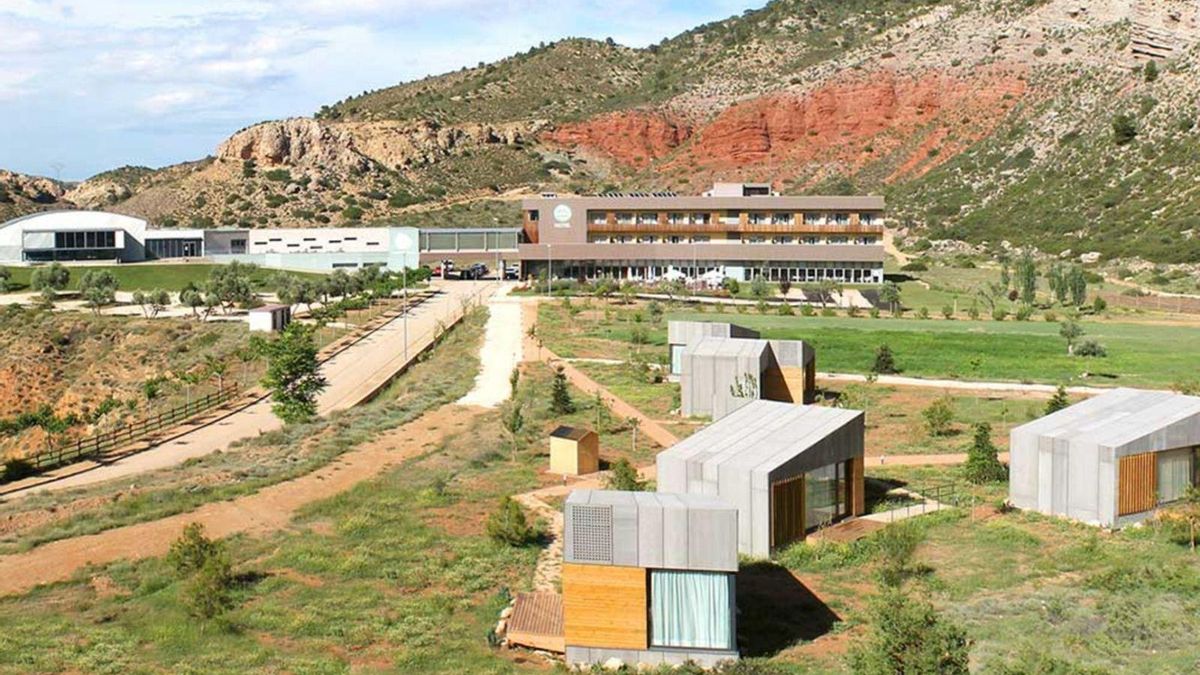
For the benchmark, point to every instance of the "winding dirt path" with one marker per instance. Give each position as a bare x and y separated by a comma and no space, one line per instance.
268,510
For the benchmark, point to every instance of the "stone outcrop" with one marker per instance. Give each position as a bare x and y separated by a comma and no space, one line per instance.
34,188
98,193
633,137
345,147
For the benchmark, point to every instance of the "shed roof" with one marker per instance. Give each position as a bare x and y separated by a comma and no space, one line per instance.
1115,418
761,435
727,347
571,433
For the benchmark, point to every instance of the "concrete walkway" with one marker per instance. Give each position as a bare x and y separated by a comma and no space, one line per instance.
501,351
354,375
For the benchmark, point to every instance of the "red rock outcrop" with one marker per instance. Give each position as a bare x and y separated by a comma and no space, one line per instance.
634,137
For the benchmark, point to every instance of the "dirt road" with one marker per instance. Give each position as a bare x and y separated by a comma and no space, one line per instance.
263,512
353,375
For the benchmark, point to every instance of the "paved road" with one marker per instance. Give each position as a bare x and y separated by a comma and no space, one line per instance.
353,374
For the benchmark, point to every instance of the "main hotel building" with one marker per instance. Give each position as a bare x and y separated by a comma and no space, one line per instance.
737,230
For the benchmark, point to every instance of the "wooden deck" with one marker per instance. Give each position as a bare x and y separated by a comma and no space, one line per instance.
847,530
537,622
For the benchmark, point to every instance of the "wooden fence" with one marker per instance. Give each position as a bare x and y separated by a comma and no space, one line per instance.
99,444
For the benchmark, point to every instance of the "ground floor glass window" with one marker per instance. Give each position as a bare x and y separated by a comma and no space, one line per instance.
692,610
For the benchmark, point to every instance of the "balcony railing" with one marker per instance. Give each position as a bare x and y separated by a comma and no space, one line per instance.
736,226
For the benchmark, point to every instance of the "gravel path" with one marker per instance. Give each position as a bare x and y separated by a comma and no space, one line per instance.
501,351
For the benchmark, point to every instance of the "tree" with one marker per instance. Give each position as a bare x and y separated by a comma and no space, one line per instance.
885,362
889,293
1027,278
623,476
983,462
1077,285
785,286
98,288
939,416
1056,279
628,293
151,389
1150,71
152,302
1071,332
896,543
230,285
560,395
188,379
508,524
216,369
193,297
758,287
191,550
1058,401
54,277
513,421
1124,129
209,592
909,638
293,373
5,280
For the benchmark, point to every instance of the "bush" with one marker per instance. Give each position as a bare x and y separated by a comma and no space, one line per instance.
730,284
785,309
623,476
192,550
896,545
1058,401
508,524
915,266
885,361
1099,304
983,463
15,469
1024,312
807,310
999,314
209,592
1091,348
1124,129
939,416
560,395
947,312
923,313
908,636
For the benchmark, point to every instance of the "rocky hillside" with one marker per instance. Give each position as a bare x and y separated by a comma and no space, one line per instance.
1060,123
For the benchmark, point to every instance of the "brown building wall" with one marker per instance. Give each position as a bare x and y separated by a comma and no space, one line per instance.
605,606
1137,485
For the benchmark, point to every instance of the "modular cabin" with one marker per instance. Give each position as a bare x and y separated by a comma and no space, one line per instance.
1110,460
788,469
649,578
720,375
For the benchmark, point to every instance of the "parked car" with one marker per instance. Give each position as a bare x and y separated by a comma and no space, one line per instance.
476,271
512,272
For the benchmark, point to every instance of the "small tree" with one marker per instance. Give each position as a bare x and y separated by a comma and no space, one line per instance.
560,395
98,288
1027,278
216,370
191,550
908,637
1071,332
896,544
5,280
1150,71
758,287
1189,511
1058,401
623,476
54,277
513,420
939,416
983,463
785,287
508,524
889,293
209,592
885,361
1124,129
293,373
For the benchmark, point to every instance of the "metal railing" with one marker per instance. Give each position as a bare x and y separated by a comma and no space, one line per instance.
102,443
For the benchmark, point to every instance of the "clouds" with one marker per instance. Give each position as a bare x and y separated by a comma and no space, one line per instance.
102,83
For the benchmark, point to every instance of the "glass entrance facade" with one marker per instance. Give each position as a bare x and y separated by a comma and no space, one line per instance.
174,248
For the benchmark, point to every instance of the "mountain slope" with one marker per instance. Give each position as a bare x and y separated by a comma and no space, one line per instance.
979,120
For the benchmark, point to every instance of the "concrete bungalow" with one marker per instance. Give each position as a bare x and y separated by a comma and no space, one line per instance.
787,469
720,375
649,578
1110,460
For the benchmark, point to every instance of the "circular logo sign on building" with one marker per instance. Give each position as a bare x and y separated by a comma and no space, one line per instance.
562,216
402,242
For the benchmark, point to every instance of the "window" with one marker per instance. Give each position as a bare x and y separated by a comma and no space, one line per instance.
1174,474
677,359
351,238
701,218
839,240
701,239
841,219
691,610
811,241
781,218
758,218
781,240
673,239
625,218
533,215
646,239
647,218
677,218
866,218
813,219
824,495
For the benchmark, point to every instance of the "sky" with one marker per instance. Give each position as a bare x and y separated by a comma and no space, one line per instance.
91,85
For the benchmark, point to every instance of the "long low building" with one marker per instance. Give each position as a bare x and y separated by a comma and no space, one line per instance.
738,230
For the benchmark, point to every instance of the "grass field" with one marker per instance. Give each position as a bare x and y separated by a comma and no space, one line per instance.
1035,594
148,276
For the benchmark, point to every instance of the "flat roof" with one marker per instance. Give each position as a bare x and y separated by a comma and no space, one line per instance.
761,435
752,202
728,347
572,433
1115,418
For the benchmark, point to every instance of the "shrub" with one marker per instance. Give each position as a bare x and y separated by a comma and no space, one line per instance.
623,476
730,284
508,524
278,175
939,416
1150,71
1124,129
947,312
915,266
1058,401
983,463
973,312
999,314
923,313
785,309
828,311
192,550
209,592
807,310
1091,348
873,312
908,636
896,545
885,361
1024,312
1099,304
15,469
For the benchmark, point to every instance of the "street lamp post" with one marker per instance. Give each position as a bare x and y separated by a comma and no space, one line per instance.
549,269
405,321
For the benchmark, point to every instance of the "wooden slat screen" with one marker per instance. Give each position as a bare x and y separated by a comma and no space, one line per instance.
787,511
605,606
856,485
1137,485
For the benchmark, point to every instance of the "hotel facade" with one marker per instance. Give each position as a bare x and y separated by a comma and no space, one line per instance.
736,230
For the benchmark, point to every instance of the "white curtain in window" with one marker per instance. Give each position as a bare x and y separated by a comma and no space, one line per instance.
1174,474
691,609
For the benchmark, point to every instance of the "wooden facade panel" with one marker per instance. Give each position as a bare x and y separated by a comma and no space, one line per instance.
605,606
1137,485
789,385
856,485
787,511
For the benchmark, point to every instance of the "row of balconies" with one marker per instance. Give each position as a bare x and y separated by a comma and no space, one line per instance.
740,227
726,219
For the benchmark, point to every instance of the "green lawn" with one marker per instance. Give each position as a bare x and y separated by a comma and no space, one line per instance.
148,276
1138,354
